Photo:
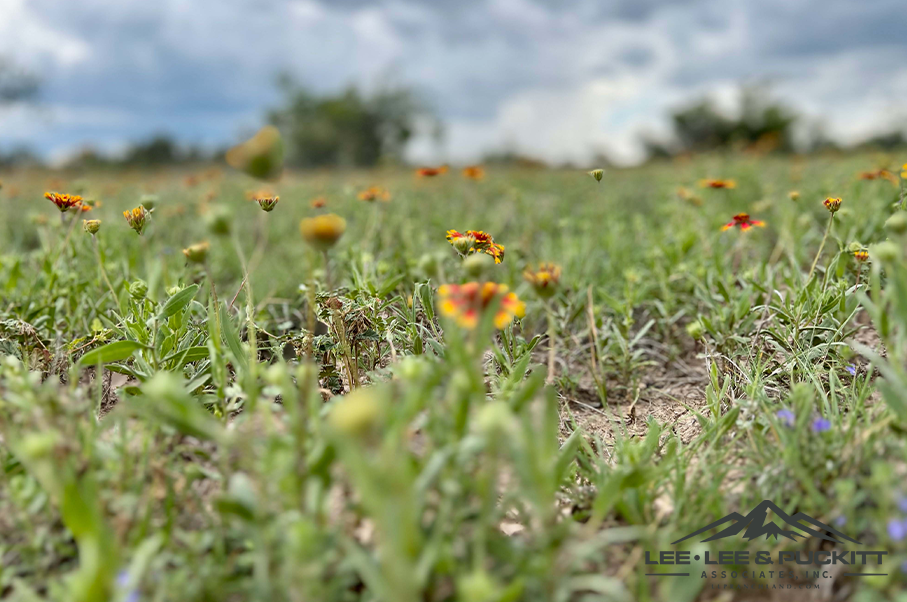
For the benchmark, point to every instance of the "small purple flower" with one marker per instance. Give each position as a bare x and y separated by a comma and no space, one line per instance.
840,521
904,567
897,530
786,417
902,503
851,369
132,595
820,425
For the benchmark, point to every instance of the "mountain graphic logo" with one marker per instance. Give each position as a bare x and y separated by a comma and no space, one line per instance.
756,527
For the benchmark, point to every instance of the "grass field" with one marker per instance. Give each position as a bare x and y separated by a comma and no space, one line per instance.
340,428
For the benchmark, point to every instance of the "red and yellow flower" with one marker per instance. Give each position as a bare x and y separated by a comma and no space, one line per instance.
474,172
467,303
861,255
711,183
318,202
544,279
743,221
374,193
475,241
64,202
832,204
430,172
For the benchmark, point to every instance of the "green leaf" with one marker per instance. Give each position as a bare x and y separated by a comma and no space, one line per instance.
190,354
231,336
112,352
178,302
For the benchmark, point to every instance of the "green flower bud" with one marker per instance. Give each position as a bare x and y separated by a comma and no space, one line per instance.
885,252
219,220
696,330
477,264
357,414
897,223
138,289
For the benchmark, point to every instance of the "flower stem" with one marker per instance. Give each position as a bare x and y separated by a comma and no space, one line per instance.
821,247
327,271
97,252
216,302
551,343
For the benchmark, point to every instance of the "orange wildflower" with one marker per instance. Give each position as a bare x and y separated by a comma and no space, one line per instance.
861,255
430,172
137,218
323,231
878,174
709,183
474,172
318,202
261,193
374,193
467,303
64,202
744,222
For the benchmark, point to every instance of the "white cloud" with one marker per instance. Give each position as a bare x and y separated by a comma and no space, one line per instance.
561,80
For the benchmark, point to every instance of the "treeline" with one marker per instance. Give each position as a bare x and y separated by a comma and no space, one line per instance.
760,124
354,128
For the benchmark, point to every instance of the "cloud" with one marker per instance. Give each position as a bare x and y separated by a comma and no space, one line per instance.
558,79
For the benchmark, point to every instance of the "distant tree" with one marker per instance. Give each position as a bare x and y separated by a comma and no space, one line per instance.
349,128
762,123
888,141
159,150
16,84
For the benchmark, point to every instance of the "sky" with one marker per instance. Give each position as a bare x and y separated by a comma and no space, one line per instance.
560,80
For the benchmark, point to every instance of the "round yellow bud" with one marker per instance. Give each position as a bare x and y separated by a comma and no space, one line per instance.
322,231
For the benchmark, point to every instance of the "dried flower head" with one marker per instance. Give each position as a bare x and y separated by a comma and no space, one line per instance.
430,172
597,174
197,253
475,241
64,202
467,303
474,172
832,204
322,231
743,221
268,203
544,279
137,218
91,225
374,193
710,183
